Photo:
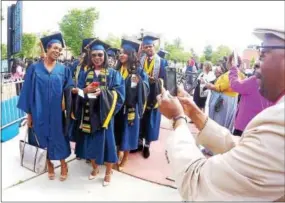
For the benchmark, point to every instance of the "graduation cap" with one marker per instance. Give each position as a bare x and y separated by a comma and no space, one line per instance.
99,45
85,42
149,39
112,51
51,39
162,53
128,44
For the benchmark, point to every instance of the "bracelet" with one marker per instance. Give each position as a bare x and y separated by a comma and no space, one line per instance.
205,123
177,118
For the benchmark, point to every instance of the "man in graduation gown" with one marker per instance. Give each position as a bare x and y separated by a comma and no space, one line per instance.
150,123
46,98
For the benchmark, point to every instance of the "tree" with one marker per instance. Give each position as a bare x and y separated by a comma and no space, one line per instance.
220,52
28,45
252,62
177,43
202,59
176,51
113,41
77,25
3,51
208,51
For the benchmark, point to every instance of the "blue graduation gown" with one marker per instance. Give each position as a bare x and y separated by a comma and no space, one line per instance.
100,145
128,135
41,97
163,66
150,123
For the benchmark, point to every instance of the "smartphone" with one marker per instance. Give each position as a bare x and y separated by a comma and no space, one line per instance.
95,84
171,81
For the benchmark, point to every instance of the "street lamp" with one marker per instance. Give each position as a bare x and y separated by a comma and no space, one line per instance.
142,32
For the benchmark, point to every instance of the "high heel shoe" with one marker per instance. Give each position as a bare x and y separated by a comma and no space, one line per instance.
121,166
64,172
50,168
93,174
107,179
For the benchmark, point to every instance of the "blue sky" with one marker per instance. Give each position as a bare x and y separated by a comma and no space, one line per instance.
196,23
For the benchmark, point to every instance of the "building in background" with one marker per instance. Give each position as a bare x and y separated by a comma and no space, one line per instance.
248,56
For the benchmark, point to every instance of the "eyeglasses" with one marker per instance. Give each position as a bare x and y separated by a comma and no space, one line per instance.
99,55
266,49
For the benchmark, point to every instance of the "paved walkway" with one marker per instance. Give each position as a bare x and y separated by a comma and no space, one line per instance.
19,184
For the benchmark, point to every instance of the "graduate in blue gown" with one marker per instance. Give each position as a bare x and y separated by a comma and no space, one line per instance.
150,123
46,98
96,139
163,64
113,57
127,121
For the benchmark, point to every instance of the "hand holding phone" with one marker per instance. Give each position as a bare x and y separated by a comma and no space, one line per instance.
171,81
95,84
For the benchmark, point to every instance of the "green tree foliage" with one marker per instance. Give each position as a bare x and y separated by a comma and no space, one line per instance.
78,25
202,58
252,62
113,41
3,51
208,52
176,51
219,53
29,43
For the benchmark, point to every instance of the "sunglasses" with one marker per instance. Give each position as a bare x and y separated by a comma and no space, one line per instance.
99,55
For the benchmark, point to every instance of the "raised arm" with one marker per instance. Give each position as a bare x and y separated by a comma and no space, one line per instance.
240,86
240,174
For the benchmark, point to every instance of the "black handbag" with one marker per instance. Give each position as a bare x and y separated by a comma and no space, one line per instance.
219,103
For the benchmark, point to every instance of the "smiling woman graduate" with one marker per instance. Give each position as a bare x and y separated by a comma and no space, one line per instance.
46,84
127,121
96,139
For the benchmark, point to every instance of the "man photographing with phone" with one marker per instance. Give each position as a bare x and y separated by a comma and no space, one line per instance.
246,168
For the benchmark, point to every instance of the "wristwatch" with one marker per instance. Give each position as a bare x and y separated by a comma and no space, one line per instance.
178,118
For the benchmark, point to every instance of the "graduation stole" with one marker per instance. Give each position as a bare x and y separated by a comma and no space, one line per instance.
124,72
148,68
86,127
131,111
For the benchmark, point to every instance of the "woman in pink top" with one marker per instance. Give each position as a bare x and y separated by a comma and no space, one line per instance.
17,71
251,102
17,75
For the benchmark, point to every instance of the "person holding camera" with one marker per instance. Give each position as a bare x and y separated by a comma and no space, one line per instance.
246,168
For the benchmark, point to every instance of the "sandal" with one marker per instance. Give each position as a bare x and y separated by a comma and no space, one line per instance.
50,168
107,179
64,172
93,174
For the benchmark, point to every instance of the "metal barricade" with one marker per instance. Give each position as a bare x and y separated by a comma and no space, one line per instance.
11,116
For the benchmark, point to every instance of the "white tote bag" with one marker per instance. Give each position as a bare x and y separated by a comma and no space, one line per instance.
32,157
